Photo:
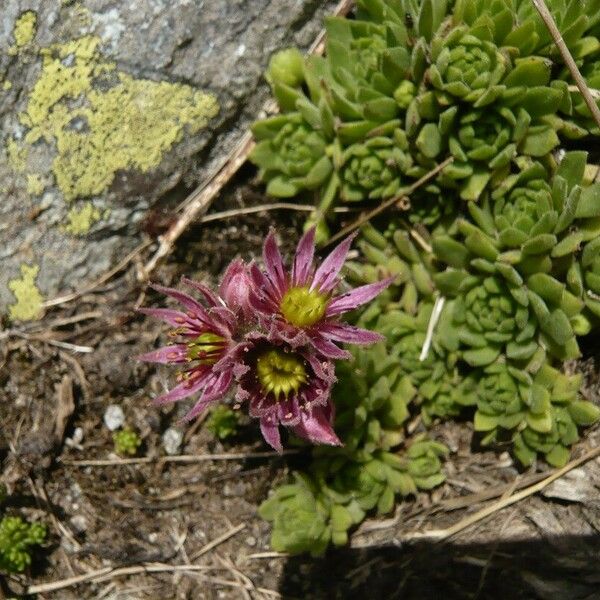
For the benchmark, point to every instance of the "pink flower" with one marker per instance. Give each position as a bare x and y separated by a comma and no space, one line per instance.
301,307
285,386
204,336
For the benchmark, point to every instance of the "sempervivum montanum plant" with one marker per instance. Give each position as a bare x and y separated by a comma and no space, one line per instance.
267,337
17,539
406,84
515,276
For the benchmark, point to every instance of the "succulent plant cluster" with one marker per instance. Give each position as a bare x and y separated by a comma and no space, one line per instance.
17,538
127,442
408,84
366,473
487,306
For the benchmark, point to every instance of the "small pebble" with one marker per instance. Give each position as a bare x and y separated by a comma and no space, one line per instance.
251,541
171,440
153,537
114,417
80,523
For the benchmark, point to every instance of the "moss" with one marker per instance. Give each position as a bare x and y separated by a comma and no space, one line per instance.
81,220
35,185
24,31
29,300
101,120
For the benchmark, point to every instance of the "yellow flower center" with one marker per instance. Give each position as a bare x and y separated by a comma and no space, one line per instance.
303,307
280,373
206,348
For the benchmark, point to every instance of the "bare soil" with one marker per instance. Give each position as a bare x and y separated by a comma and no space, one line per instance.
546,546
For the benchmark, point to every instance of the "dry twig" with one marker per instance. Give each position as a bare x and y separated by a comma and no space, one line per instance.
108,573
233,531
443,534
96,284
550,23
395,200
182,458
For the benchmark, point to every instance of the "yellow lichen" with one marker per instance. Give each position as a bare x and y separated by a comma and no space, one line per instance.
6,85
25,28
35,184
17,155
81,220
101,121
28,306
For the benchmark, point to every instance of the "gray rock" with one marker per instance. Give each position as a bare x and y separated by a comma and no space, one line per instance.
114,417
107,106
171,440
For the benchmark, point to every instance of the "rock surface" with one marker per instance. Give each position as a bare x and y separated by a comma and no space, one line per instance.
110,108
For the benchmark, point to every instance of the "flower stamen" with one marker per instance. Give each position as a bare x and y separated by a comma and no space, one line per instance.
206,348
303,307
280,373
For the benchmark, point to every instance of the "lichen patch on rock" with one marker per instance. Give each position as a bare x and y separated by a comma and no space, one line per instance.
80,220
101,120
24,31
28,306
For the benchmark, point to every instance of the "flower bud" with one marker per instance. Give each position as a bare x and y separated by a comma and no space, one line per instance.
287,67
235,288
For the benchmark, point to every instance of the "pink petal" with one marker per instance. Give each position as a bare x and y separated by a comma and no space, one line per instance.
264,294
190,303
184,389
210,296
270,430
316,428
324,370
173,317
303,261
342,332
169,354
216,388
329,349
288,413
274,263
325,278
357,297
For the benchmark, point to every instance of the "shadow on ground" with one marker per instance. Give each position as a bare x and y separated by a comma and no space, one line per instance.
553,568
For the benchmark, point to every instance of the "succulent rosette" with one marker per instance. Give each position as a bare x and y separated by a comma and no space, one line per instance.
469,68
291,155
204,336
300,307
590,262
373,170
487,320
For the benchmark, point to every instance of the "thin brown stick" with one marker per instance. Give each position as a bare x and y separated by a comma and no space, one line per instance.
443,534
395,200
219,540
550,23
236,212
108,573
182,458
51,342
201,198
96,284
